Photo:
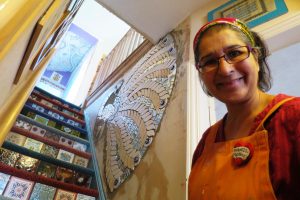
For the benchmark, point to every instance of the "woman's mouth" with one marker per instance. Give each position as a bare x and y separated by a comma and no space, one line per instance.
230,84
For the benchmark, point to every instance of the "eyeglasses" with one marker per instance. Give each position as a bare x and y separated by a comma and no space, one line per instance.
232,56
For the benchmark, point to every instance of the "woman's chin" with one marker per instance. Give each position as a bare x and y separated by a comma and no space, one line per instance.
232,97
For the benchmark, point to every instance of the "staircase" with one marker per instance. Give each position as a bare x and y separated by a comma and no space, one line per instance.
47,154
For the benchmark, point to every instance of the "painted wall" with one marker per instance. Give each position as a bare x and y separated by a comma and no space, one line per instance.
17,23
162,172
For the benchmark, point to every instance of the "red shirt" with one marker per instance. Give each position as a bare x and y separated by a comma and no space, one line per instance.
284,142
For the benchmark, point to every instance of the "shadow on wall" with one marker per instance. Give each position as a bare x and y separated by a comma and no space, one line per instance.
150,186
150,179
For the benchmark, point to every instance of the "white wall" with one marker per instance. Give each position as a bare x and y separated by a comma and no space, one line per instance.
285,68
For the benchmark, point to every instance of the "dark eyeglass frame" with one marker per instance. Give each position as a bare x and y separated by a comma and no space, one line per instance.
225,56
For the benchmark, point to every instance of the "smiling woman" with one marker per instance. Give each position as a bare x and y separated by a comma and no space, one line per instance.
243,147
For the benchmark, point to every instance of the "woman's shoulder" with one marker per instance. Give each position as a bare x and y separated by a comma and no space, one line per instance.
292,106
288,115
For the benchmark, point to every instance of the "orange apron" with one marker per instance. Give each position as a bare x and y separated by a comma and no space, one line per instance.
214,176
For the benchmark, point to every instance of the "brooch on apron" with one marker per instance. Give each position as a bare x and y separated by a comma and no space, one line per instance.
242,153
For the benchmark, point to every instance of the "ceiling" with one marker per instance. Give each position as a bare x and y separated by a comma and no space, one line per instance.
153,18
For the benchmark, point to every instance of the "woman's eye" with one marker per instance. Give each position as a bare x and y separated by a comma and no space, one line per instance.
209,63
233,53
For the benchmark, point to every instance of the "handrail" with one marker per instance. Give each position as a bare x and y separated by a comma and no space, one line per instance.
126,46
15,102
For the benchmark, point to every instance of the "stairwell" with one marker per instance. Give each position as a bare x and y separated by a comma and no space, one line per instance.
47,154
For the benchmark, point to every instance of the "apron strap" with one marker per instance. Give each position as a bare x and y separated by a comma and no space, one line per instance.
274,108
213,132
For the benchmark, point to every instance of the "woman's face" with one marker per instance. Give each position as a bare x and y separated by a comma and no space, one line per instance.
230,83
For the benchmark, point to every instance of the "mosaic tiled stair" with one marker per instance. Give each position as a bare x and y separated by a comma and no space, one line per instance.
48,147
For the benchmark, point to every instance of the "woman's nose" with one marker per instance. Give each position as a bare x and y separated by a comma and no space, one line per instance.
224,67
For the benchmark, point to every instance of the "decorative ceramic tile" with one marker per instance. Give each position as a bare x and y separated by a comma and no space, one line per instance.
73,123
83,180
84,197
42,192
47,103
37,107
55,115
32,96
18,188
30,115
19,123
60,108
78,116
64,175
65,156
83,162
41,119
75,133
33,145
58,102
51,123
64,195
58,126
27,163
68,112
46,169
22,124
66,141
79,146
37,130
49,151
66,129
52,136
8,157
55,107
15,138
4,178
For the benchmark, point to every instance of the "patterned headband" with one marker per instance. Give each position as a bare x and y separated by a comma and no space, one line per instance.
232,21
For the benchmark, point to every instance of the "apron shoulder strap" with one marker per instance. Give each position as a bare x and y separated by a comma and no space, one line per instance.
213,132
274,108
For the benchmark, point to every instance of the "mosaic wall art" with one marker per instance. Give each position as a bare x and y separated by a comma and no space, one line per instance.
128,121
